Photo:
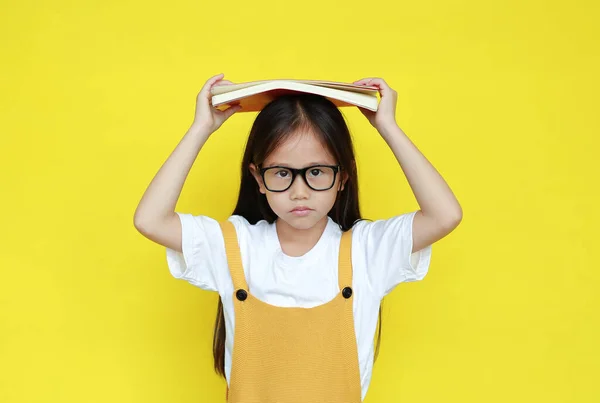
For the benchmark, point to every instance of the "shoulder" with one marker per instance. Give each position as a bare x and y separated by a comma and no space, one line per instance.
241,222
247,231
382,227
212,226
383,235
384,248
197,224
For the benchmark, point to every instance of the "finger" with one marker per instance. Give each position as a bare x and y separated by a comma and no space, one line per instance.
214,79
210,83
362,81
223,82
380,83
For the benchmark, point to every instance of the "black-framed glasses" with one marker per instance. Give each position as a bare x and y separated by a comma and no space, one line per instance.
317,177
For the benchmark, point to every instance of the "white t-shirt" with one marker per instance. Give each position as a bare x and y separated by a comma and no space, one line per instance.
381,259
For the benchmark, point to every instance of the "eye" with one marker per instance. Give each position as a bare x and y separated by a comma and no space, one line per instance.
315,172
282,173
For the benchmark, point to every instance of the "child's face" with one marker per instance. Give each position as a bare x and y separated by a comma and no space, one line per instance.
299,151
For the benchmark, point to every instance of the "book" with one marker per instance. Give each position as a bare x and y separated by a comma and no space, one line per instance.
255,95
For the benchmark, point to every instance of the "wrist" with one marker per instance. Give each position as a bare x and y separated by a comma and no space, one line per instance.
200,130
389,130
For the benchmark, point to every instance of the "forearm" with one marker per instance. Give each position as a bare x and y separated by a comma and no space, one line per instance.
160,198
433,194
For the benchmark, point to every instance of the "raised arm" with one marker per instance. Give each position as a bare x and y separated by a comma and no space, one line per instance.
440,211
155,216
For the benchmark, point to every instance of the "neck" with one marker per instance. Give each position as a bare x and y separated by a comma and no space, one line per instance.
297,242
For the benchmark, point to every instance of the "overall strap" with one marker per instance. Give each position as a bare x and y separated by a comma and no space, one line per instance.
234,258
345,260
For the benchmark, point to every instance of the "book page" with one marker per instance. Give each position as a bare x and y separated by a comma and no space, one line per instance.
222,89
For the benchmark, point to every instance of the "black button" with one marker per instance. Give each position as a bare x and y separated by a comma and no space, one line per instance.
347,292
241,295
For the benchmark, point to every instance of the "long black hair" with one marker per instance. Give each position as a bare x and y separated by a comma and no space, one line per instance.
276,122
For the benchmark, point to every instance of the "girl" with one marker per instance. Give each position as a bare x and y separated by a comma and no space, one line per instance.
300,275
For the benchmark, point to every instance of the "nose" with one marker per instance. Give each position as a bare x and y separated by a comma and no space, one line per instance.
299,189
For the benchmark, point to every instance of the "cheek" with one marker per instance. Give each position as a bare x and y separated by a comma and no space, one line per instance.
327,199
276,200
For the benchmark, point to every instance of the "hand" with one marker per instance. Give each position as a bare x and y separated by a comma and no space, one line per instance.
208,117
386,112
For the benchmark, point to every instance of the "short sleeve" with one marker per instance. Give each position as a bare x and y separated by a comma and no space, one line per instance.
203,255
387,249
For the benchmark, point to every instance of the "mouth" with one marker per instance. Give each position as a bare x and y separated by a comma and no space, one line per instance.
301,211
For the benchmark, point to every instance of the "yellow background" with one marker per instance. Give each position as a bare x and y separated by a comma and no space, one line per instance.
500,96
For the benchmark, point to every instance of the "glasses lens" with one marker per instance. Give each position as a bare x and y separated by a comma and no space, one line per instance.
320,178
277,179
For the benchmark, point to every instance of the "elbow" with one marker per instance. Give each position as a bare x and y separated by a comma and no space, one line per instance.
144,227
458,215
449,220
137,219
454,219
140,223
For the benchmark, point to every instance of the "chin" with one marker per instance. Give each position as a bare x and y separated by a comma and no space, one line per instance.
301,222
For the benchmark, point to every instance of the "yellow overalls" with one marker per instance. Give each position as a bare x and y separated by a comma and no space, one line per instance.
291,354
